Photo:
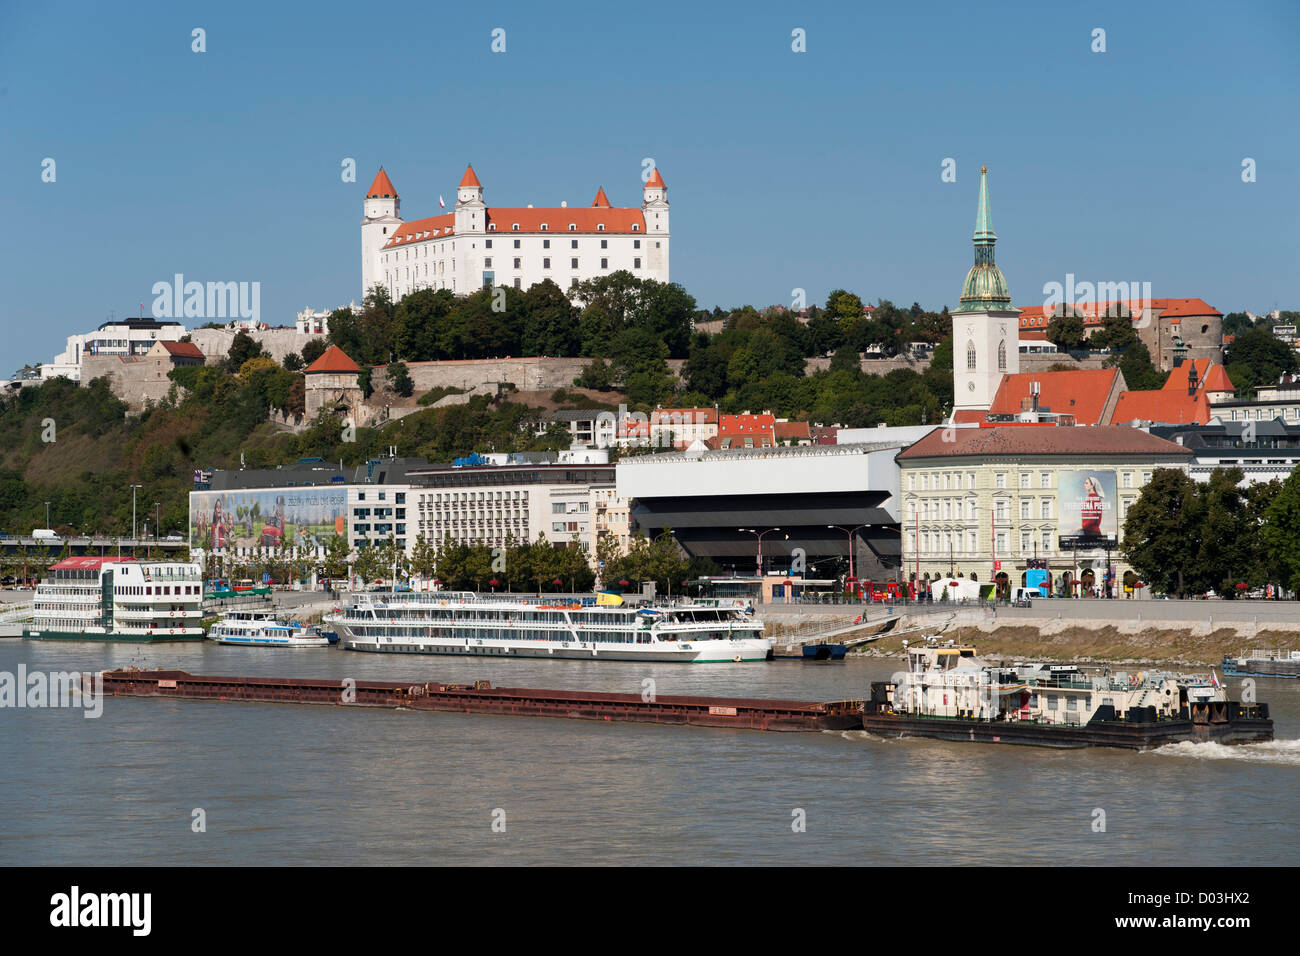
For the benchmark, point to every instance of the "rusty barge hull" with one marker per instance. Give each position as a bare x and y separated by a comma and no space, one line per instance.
481,698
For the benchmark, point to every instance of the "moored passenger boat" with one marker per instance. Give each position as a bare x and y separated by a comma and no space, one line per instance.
463,623
118,599
263,629
949,693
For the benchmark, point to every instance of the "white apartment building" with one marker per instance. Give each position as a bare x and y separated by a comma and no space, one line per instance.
512,503
476,245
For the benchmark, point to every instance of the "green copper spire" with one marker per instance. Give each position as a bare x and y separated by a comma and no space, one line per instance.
983,217
985,288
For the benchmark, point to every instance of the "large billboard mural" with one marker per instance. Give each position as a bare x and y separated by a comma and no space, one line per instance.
1086,500
275,518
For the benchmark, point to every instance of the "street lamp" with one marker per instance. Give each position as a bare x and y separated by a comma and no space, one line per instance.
133,488
759,535
851,533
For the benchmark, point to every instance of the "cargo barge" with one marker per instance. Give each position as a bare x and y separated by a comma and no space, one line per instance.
1260,663
948,693
481,697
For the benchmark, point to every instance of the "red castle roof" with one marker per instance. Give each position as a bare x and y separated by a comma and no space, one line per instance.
382,187
333,359
469,179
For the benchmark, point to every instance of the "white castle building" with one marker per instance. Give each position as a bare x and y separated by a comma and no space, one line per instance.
478,245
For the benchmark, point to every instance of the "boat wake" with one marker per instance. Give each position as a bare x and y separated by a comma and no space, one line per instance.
1284,752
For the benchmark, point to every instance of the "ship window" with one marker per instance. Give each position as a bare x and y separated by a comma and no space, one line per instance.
1051,702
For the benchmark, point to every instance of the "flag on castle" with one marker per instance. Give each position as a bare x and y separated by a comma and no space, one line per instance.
441,204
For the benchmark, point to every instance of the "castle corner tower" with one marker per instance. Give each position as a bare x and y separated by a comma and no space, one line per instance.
382,216
985,326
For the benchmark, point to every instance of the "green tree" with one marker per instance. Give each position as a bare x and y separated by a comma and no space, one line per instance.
843,306
1065,330
242,348
1257,357
313,350
1281,531
399,379
1161,532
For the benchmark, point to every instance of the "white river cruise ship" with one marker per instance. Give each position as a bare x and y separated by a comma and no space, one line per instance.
465,623
118,599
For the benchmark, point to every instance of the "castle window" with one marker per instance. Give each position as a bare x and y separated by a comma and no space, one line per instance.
573,227
515,226
573,243
544,227
546,263
516,282
487,263
573,263
604,243
636,263
1002,356
487,243
492,227
574,284
636,227
517,261
546,243
600,227
604,263
636,243
970,356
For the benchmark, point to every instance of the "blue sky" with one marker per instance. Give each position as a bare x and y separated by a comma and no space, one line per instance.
785,170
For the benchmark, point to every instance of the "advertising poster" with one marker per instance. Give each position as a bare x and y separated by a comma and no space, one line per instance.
1087,505
274,518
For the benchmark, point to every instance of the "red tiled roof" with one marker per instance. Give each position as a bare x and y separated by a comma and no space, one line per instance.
436,227
1082,393
469,179
655,179
558,220
588,220
1171,406
601,199
86,563
1216,380
746,424
1171,403
793,430
183,349
382,187
333,359
1094,313
1079,440
965,416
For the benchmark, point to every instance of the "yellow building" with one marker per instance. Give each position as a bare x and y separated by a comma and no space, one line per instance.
993,503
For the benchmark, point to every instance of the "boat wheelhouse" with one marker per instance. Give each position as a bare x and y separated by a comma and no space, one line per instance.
464,623
264,629
118,599
948,692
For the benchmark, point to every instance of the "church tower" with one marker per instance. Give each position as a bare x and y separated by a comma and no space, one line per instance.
382,215
985,327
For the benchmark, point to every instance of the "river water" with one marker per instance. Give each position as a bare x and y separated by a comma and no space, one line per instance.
294,784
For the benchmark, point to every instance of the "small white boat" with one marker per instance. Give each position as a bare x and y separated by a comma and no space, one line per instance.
263,629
